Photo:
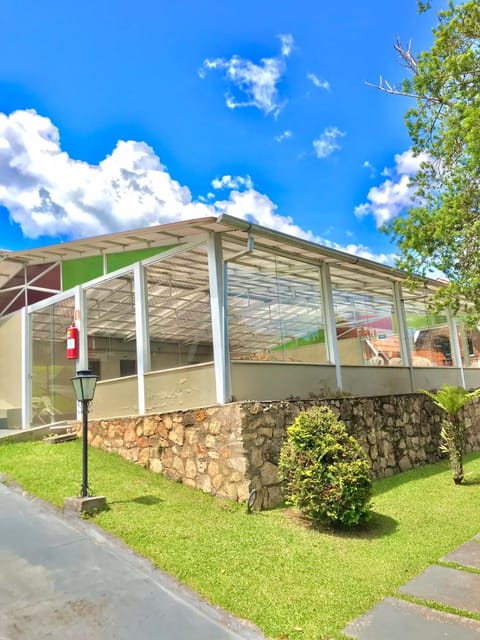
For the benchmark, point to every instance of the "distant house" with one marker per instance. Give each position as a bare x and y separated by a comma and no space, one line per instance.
196,313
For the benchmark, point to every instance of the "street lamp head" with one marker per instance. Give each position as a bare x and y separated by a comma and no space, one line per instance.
84,385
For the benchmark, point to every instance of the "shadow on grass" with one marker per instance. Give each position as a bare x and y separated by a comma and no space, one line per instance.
412,475
471,480
427,471
147,500
378,525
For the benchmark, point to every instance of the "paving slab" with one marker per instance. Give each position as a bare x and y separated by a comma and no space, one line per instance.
63,578
467,555
400,620
451,587
24,435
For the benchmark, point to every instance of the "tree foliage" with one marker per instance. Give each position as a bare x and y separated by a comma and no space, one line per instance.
441,231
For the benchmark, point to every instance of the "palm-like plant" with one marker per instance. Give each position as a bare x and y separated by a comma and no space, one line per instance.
452,399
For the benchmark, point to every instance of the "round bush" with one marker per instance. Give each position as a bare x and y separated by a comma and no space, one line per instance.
324,469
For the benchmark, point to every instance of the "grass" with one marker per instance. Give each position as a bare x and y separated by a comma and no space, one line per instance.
289,579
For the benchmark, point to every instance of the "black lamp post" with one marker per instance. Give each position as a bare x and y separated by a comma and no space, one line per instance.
84,386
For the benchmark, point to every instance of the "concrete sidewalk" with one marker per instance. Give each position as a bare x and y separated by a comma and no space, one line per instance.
64,579
456,588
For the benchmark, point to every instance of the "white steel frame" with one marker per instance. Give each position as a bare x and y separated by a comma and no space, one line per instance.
217,276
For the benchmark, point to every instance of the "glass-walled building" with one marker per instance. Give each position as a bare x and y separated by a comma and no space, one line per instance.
191,314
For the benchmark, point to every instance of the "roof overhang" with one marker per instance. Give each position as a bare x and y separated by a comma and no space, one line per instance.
234,229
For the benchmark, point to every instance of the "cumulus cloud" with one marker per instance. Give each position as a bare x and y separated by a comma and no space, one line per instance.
255,84
48,193
285,135
327,142
315,80
394,194
232,182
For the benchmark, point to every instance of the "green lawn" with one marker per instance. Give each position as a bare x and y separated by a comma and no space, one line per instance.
292,581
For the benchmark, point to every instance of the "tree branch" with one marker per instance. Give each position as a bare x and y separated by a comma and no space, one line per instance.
406,55
386,87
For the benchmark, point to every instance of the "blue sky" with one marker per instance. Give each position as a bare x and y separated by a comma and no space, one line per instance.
121,115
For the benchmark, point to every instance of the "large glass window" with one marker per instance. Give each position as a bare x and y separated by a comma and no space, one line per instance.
469,339
428,333
275,309
367,329
52,393
178,295
112,338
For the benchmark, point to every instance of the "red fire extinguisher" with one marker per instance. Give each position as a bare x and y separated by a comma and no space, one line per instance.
72,342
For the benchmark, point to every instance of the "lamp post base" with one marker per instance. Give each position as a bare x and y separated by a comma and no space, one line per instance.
88,504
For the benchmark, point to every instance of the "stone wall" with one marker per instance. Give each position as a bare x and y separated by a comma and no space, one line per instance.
396,432
203,449
229,450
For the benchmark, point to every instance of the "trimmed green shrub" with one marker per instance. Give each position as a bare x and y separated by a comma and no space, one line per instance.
325,471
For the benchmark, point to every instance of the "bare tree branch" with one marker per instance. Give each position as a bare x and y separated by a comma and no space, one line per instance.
408,60
385,86
406,55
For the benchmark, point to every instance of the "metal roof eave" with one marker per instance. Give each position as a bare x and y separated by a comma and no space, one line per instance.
155,236
179,232
325,254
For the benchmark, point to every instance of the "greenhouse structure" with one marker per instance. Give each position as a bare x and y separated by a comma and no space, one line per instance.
202,312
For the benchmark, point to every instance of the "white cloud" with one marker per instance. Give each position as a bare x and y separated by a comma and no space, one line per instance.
48,193
257,207
285,135
368,165
321,84
232,182
287,44
255,84
409,164
327,143
394,194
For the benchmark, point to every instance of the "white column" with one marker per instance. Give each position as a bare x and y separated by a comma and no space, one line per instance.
142,329
218,307
330,323
81,322
26,369
402,324
405,353
455,346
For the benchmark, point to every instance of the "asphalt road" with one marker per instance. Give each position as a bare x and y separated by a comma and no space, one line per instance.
62,578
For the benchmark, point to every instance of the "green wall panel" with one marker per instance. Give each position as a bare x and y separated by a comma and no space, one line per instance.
81,270
84,269
119,260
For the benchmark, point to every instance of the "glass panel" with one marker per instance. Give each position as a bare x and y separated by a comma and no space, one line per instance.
179,310
367,328
52,392
275,310
111,327
469,338
428,334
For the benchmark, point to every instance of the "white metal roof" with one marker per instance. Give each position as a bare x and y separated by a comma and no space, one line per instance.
359,271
